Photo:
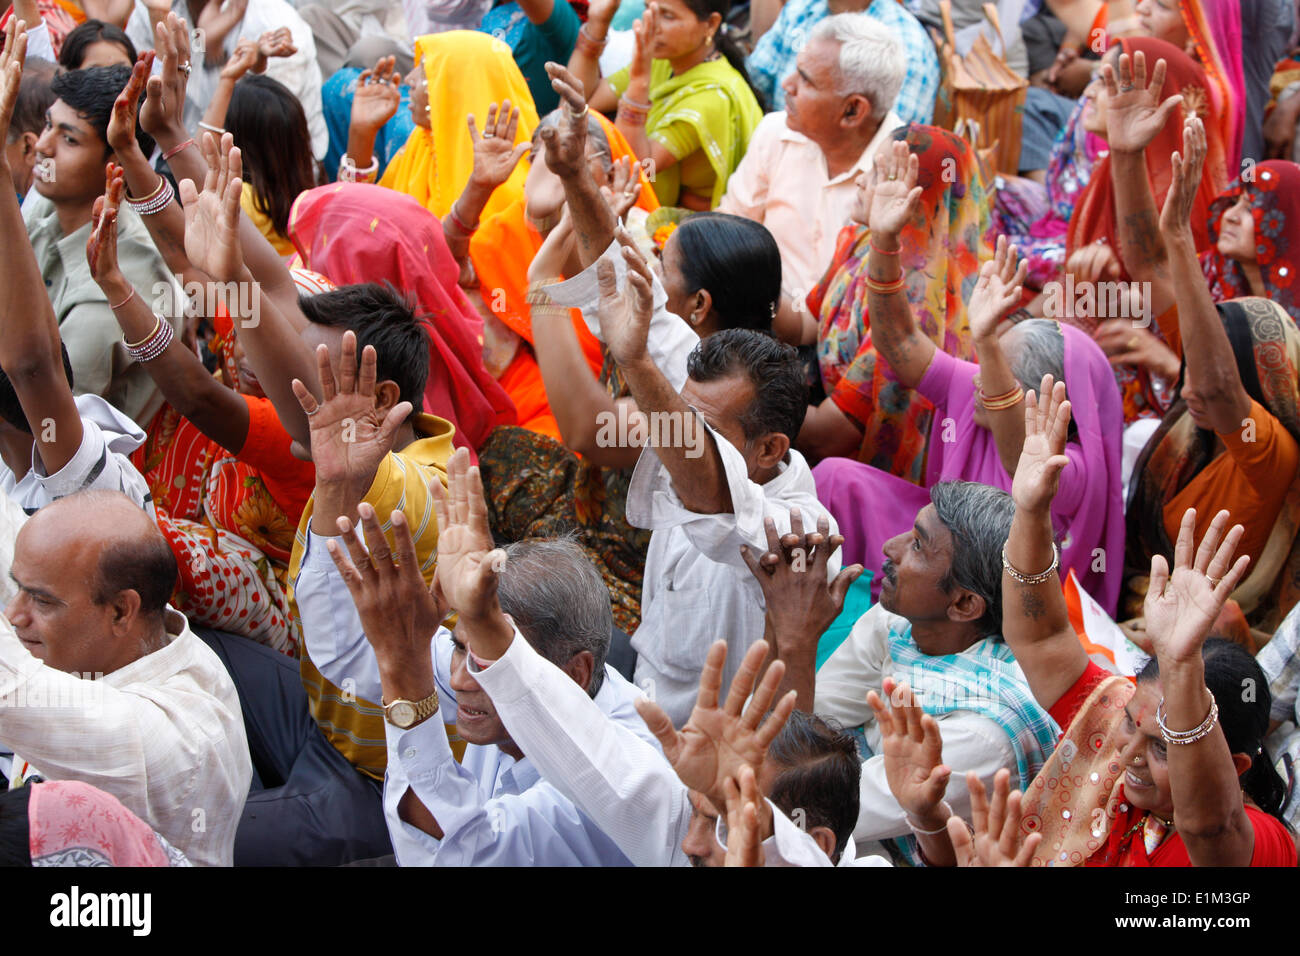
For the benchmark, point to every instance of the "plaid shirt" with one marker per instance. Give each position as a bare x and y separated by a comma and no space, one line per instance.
774,55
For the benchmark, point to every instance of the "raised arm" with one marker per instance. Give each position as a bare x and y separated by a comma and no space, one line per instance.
1211,381
634,104
695,465
375,101
893,201
1034,620
566,156
275,350
30,348
218,411
495,158
584,62
1180,610
1135,115
996,295
245,58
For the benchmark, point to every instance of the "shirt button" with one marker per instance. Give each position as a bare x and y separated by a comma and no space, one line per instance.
409,753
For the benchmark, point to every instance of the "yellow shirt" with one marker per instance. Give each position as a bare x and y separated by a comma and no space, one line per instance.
353,725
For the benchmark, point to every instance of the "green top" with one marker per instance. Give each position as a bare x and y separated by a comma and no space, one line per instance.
539,42
705,118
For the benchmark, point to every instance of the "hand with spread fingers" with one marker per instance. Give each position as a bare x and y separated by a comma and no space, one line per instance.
398,611
894,197
718,741
377,95
468,561
1135,114
212,216
998,839
624,186
495,152
625,313
913,750
998,292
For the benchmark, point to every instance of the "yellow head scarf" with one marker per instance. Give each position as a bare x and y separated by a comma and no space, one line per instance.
467,72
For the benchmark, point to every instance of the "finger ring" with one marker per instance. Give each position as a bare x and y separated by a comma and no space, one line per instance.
577,115
185,68
892,177
1214,582
488,134
1127,89
313,411
1132,342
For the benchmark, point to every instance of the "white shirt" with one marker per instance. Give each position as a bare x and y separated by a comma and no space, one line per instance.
164,734
438,16
783,183
670,340
620,780
300,72
697,587
100,462
492,809
970,741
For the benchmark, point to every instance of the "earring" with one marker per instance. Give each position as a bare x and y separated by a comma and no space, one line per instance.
695,317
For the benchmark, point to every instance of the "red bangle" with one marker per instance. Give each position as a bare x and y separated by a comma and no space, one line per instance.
883,252
176,149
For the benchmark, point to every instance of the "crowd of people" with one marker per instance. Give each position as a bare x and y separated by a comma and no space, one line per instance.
628,432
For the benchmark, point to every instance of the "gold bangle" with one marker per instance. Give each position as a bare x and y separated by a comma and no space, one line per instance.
886,288
135,345
162,183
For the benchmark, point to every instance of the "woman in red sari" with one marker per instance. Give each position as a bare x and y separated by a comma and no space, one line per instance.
1169,770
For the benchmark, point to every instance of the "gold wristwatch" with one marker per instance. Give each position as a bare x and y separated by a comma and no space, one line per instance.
405,714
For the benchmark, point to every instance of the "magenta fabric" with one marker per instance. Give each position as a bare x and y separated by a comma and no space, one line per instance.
872,506
71,823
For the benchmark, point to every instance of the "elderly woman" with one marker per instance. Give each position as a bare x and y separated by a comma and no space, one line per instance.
980,422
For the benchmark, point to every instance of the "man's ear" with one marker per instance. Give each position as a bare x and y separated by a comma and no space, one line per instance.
126,610
966,607
824,837
387,394
772,449
857,110
580,667
29,140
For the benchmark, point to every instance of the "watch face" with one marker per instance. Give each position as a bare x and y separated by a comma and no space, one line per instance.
402,713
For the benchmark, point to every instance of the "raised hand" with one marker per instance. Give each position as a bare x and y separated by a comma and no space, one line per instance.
566,143
1135,113
12,59
495,152
121,124
1176,217
1042,458
101,247
624,186
162,115
913,750
997,293
998,839
468,562
278,42
1181,607
744,831
349,438
718,741
212,216
602,11
1126,345
247,56
895,197
625,313
398,611
643,33
377,95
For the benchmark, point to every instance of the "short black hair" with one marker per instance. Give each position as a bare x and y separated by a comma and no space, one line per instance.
92,94
772,367
34,98
11,410
820,775
381,316
144,564
79,38
738,261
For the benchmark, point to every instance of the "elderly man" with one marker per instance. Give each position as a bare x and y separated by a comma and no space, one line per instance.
536,697
936,629
774,56
799,174
494,807
102,682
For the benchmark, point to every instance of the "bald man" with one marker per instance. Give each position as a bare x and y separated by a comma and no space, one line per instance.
101,681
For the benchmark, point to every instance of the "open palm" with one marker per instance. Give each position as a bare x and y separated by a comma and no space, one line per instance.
467,561
1042,457
1135,113
495,152
895,197
212,216
377,96
998,290
913,750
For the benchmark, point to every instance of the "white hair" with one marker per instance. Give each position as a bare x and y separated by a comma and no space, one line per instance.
872,62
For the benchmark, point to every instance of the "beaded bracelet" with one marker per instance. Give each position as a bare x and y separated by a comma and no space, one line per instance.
1032,578
1187,736
155,344
156,201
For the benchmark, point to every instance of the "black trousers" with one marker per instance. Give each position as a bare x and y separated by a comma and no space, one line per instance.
307,805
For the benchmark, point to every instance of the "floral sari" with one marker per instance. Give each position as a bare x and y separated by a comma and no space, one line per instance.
942,251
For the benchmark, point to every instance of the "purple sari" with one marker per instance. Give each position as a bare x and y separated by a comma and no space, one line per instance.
872,506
